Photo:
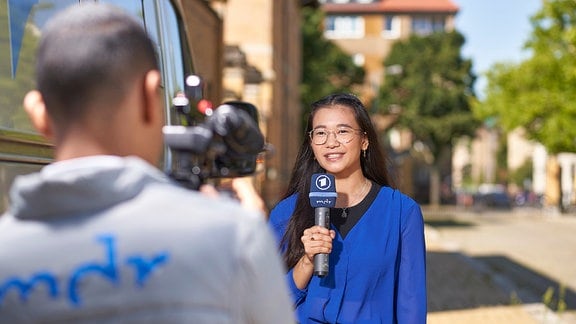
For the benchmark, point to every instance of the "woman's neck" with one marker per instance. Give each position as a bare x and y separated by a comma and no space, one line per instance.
351,190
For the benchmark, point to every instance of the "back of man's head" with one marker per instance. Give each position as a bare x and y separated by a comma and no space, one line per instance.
88,57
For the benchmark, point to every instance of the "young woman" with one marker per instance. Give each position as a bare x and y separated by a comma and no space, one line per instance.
377,262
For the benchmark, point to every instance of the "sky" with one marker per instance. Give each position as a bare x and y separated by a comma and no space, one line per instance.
495,31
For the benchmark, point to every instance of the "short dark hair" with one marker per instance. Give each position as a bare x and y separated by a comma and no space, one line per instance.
90,53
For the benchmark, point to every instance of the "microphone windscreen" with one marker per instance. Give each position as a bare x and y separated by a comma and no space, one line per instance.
322,190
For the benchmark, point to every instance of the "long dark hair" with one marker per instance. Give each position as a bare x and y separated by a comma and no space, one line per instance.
374,167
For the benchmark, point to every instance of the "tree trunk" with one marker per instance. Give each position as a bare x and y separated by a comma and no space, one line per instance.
553,194
434,186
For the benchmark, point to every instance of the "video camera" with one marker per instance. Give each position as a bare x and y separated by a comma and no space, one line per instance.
225,144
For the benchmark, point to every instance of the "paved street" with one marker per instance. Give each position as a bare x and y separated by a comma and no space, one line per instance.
501,267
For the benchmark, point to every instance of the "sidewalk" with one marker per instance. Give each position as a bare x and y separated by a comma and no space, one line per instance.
520,314
461,289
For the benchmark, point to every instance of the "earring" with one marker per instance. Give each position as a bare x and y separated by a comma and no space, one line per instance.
364,153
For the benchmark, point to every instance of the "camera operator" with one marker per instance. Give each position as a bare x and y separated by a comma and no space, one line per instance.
102,234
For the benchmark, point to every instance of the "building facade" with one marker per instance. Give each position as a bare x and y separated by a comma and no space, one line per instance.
263,66
367,29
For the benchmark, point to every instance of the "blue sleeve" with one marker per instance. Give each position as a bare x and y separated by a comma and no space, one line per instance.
411,307
278,220
279,217
298,295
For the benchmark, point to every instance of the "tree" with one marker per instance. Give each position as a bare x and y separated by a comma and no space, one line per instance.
431,85
538,93
325,67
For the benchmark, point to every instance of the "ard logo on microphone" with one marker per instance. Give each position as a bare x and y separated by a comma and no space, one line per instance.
323,182
322,190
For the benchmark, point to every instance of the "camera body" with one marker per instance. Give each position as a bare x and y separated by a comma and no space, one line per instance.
226,144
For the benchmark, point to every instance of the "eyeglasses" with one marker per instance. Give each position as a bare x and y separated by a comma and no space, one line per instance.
343,134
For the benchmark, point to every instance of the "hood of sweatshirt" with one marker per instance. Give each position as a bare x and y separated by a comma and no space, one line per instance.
80,186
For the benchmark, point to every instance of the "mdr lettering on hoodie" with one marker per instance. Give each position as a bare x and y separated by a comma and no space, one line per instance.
70,286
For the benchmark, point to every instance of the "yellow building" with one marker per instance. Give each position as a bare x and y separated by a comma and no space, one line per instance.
263,62
367,29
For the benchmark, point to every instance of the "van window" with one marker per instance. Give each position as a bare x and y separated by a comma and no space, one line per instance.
20,25
22,149
165,28
133,7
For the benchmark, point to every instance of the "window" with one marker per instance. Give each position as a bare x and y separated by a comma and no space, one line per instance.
166,28
20,26
424,25
133,7
344,27
22,149
391,26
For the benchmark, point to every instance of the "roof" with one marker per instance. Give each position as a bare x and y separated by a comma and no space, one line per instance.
394,6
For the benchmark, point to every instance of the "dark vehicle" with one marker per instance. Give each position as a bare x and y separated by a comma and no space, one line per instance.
22,149
492,197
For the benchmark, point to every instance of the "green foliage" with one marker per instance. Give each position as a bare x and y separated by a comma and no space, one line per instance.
538,93
522,173
433,87
514,299
502,160
326,68
553,302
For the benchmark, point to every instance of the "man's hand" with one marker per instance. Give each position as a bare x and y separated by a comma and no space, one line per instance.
241,189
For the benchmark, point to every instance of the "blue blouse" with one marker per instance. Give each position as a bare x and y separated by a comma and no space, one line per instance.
377,273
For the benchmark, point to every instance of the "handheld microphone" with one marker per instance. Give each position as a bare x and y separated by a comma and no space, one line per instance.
322,197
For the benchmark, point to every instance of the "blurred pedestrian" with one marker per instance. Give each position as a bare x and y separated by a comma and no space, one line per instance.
376,239
102,235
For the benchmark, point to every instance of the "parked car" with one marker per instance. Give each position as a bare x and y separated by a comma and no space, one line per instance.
492,197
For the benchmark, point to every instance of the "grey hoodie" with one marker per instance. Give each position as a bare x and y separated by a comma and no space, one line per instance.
111,240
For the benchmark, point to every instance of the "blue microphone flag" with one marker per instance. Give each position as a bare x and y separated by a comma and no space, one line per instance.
322,190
